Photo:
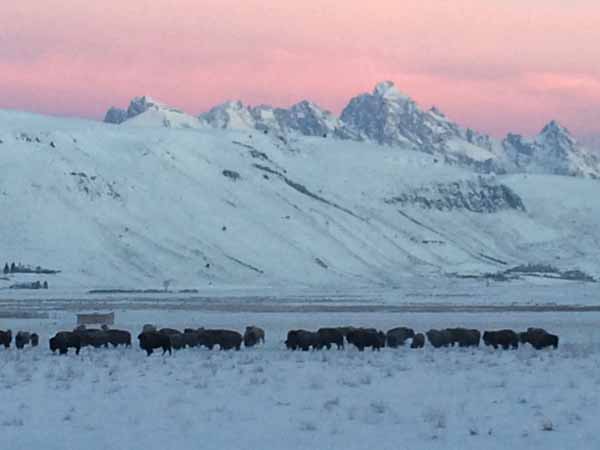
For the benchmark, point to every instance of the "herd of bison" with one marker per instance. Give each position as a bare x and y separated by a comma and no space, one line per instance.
169,339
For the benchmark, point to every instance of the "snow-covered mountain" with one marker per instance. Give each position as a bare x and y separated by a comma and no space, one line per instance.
386,117
304,118
147,112
389,117
120,206
554,150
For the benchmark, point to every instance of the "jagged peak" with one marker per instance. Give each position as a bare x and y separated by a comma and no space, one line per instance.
555,128
388,90
146,101
555,132
311,106
230,104
435,110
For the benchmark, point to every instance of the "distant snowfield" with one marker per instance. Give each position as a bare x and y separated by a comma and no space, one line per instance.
131,207
270,398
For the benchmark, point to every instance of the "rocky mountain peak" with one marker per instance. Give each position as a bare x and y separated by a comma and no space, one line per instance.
388,90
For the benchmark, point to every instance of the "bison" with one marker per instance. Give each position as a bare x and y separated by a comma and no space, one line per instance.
23,338
439,338
418,341
396,337
5,338
302,339
191,337
151,340
118,337
464,337
538,338
501,338
226,339
253,335
366,337
63,340
92,337
328,336
177,338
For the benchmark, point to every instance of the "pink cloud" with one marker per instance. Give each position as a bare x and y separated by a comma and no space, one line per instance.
496,65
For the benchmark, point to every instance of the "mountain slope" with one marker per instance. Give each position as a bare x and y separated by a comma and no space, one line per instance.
119,206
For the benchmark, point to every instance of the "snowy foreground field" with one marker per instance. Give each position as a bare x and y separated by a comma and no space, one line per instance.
270,398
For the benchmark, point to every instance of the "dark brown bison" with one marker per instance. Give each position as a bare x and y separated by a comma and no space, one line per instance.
5,338
396,337
501,338
151,340
302,339
35,340
538,338
366,337
92,337
439,338
23,338
418,341
63,340
118,337
253,335
464,337
191,337
178,341
328,336
345,330
226,339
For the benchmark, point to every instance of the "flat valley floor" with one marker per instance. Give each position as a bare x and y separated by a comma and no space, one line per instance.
270,398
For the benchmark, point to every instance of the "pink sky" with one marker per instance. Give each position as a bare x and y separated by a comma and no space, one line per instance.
495,65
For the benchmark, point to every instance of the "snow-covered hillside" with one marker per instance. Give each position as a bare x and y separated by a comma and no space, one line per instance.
122,206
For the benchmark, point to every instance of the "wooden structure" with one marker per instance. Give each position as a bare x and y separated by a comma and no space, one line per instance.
96,319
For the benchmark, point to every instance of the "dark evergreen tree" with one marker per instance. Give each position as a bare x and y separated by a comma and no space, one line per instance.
45,285
6,269
13,268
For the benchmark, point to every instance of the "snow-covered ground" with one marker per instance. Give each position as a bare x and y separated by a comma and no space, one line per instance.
270,398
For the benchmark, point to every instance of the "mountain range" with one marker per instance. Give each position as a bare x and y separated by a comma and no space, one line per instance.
385,195
385,117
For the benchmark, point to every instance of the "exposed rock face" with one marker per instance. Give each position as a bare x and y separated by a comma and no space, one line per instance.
116,116
478,196
389,117
304,118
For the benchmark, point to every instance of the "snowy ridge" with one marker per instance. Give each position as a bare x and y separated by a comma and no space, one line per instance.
147,112
304,118
237,208
386,116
